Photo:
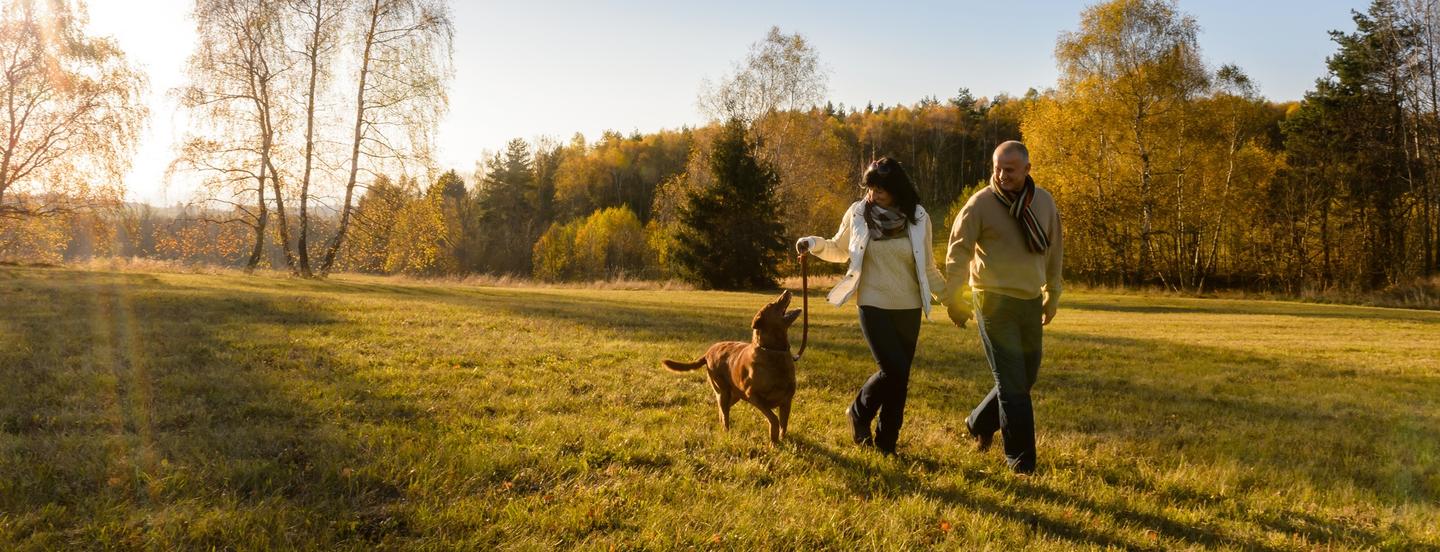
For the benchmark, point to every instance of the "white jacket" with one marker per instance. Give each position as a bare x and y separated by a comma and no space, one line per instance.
849,244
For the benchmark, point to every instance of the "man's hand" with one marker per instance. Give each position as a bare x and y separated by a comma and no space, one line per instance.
1049,313
958,313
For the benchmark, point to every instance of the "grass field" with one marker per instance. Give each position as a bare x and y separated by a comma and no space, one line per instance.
179,411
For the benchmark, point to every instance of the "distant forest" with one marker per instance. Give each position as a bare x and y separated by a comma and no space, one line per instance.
1169,170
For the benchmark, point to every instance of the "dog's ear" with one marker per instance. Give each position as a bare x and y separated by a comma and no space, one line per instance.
791,316
755,323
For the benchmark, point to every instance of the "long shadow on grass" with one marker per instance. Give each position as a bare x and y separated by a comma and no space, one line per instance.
899,481
1260,308
237,413
836,363
637,317
1245,409
691,329
1276,415
1024,502
125,397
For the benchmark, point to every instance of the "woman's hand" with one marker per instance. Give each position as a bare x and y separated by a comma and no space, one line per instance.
806,244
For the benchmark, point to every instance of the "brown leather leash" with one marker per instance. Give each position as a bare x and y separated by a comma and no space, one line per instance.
804,303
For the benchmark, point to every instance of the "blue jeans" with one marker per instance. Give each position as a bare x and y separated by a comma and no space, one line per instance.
1010,331
892,335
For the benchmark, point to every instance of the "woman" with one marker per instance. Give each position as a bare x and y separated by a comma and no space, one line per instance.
892,275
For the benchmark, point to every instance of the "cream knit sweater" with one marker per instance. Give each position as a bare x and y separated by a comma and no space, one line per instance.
887,279
849,244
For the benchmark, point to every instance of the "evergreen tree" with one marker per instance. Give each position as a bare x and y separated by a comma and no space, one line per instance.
508,216
1353,129
731,235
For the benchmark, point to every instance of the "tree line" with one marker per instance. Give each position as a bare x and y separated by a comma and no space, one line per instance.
1172,173
1169,171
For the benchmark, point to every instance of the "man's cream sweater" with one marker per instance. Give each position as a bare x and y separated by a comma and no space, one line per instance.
988,250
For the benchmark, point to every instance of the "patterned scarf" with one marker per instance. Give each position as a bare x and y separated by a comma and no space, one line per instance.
884,224
1019,205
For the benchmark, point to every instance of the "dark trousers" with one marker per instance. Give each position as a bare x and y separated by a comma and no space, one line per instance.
892,335
1011,333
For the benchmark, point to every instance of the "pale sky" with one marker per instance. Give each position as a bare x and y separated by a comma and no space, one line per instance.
528,69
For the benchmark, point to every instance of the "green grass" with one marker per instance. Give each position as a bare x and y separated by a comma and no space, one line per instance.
174,411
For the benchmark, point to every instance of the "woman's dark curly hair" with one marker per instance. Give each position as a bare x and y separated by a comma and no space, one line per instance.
886,174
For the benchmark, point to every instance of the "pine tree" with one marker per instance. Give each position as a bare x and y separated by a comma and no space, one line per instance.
731,235
508,215
1352,130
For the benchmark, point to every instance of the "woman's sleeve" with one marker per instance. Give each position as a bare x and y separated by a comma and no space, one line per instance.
932,272
836,249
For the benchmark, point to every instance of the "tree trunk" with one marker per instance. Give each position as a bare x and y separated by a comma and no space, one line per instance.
1432,239
1142,271
303,242
260,221
1327,275
1213,258
267,147
284,227
329,261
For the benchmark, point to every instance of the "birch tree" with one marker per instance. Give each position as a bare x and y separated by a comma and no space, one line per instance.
71,109
403,51
235,95
318,26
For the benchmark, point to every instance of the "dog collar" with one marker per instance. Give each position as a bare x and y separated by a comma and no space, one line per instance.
764,348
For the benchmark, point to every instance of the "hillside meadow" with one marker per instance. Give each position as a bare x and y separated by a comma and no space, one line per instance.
155,410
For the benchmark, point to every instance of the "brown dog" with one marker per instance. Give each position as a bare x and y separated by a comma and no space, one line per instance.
760,372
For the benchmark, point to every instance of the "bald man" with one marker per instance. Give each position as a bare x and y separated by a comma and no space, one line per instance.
1006,245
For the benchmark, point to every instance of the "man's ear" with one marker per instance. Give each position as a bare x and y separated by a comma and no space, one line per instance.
791,316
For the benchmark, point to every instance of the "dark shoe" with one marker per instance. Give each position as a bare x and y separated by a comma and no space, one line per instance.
859,432
982,442
1023,467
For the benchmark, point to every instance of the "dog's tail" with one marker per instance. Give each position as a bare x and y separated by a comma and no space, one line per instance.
677,366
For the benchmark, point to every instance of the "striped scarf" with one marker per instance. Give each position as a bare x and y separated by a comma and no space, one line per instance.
1019,206
884,224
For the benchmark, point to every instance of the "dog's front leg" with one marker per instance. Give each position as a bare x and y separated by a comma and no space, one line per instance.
784,411
774,423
